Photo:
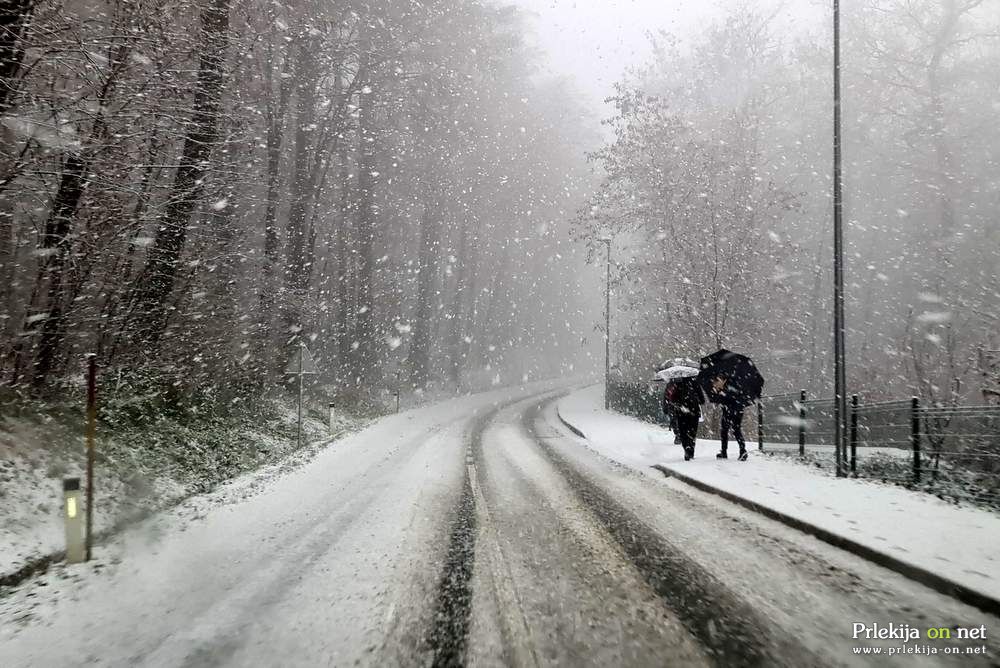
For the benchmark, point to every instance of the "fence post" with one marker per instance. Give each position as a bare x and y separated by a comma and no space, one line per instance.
915,436
802,423
854,435
760,425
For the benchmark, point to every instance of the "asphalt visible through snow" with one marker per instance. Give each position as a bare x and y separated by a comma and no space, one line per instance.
474,532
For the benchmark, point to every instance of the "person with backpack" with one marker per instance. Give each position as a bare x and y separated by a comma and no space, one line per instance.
683,399
668,410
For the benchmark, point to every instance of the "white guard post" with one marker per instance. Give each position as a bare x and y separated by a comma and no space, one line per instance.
76,549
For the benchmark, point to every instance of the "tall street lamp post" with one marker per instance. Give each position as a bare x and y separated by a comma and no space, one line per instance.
840,391
607,325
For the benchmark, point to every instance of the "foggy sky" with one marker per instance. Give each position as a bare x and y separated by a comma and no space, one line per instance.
595,41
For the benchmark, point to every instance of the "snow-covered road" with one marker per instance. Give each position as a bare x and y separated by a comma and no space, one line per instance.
474,531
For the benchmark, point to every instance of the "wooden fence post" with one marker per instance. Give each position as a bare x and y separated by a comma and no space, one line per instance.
802,423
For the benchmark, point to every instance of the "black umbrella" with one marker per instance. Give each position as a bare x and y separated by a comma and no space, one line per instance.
741,383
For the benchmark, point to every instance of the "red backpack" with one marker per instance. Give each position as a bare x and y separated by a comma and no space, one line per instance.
671,392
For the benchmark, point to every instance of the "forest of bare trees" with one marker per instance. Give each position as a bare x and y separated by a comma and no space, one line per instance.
191,189
718,197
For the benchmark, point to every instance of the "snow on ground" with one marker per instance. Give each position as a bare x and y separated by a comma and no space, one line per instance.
328,563
34,458
959,543
822,450
36,454
33,461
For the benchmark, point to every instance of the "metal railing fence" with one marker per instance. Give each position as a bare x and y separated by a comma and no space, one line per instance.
950,450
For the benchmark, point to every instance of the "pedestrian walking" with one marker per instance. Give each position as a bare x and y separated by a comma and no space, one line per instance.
671,372
683,399
733,382
732,422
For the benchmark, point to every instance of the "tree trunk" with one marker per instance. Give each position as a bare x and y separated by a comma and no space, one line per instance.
471,321
58,239
275,133
364,325
149,308
420,350
943,155
297,262
456,346
343,289
15,17
54,251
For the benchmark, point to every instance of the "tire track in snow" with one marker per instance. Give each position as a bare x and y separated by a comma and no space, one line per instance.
563,591
703,603
449,636
518,644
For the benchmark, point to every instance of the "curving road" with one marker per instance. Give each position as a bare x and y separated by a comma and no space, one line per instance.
473,532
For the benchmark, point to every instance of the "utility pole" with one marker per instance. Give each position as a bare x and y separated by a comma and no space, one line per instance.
839,328
607,326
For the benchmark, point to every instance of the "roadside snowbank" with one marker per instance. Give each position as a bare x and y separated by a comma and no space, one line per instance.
138,471
957,542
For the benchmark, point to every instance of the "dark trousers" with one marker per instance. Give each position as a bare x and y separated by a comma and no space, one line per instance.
687,430
732,420
671,419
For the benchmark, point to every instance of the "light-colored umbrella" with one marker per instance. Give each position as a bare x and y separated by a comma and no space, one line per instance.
675,372
678,361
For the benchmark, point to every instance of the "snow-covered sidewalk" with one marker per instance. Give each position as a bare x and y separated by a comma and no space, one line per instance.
960,544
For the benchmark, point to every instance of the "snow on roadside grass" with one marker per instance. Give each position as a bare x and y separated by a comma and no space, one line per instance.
895,467
139,470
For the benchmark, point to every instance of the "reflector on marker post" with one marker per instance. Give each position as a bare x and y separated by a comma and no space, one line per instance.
76,549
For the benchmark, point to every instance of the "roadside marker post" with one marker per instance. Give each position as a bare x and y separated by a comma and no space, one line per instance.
91,454
76,548
333,415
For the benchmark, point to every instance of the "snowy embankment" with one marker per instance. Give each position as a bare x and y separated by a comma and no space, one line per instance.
138,471
961,544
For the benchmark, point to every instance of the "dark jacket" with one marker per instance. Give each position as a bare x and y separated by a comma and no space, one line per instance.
683,395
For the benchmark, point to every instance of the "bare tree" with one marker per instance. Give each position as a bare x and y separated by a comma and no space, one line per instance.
150,303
